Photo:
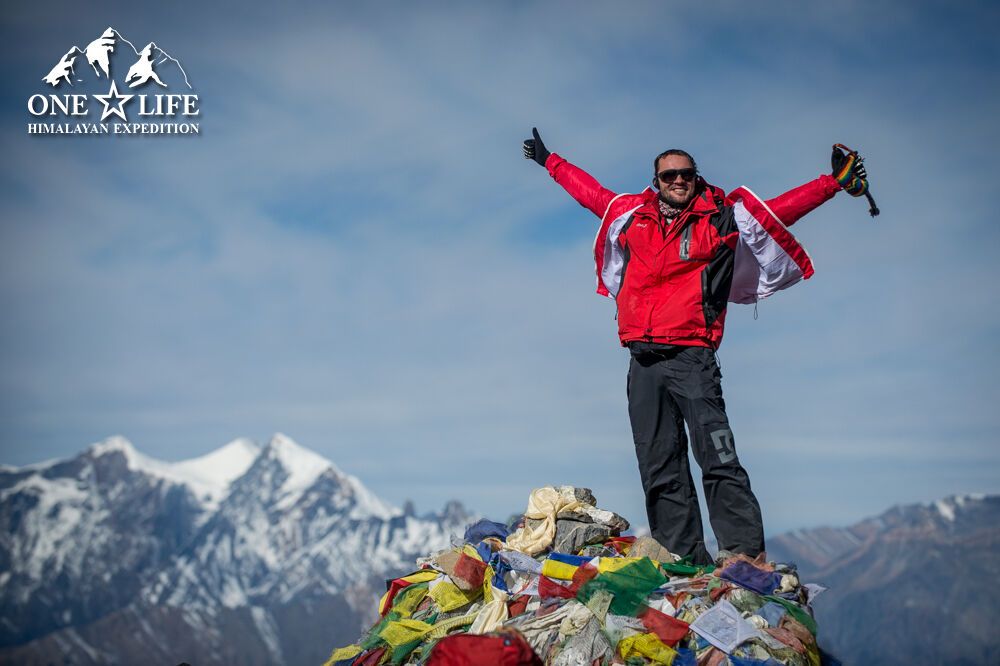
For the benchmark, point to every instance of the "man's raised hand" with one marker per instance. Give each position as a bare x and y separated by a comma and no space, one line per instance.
534,149
850,172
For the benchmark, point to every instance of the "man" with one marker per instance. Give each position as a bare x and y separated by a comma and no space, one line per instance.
672,257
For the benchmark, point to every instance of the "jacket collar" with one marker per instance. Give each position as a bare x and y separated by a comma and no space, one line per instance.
703,203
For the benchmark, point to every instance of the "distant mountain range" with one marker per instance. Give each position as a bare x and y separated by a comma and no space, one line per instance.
914,585
250,555
271,555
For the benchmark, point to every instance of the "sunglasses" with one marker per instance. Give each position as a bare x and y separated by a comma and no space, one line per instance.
668,175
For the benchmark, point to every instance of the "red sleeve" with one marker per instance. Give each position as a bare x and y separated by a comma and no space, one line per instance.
791,206
581,185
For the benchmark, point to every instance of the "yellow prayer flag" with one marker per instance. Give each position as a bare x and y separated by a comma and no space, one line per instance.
421,576
343,653
488,585
449,597
649,646
408,599
608,564
404,631
558,570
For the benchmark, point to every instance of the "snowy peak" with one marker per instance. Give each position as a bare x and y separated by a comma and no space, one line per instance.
84,528
208,477
245,529
279,474
940,521
213,473
303,466
286,474
950,506
113,444
294,522
905,583
941,518
120,447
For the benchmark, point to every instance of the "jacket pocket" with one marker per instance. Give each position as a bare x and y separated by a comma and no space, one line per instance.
697,243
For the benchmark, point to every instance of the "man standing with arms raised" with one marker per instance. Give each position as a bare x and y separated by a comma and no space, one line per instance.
672,257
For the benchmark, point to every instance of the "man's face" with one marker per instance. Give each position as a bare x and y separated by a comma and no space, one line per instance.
678,192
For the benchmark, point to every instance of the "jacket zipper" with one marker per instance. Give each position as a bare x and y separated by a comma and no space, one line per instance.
705,307
685,251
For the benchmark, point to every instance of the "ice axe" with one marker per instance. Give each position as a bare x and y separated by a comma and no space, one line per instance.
849,170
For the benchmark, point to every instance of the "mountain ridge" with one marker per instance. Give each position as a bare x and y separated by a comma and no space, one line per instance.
914,581
242,537
270,553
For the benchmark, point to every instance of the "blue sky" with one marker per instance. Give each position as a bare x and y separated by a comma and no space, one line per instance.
353,252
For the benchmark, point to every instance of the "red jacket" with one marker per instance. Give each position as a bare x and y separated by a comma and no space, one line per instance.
672,282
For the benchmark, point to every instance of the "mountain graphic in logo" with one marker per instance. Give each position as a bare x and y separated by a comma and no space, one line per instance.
63,71
111,53
99,53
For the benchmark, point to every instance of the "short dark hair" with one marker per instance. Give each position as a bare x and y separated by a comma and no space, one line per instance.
672,151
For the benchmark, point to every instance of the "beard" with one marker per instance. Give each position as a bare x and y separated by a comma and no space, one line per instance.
675,201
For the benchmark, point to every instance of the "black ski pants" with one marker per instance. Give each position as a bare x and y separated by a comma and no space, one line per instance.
669,385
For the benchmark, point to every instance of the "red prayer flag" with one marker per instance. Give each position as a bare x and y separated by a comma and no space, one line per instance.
548,588
394,587
371,658
668,629
719,591
620,544
517,605
470,569
583,573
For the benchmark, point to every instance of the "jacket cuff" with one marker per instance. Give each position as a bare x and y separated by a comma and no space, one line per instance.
554,161
830,184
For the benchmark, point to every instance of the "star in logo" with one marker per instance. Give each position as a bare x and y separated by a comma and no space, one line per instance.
113,107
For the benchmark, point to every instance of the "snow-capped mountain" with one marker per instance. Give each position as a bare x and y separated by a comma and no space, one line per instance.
818,548
292,521
77,537
913,582
234,543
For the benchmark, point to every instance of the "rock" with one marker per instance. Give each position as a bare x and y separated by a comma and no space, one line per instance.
581,494
532,523
651,548
572,535
578,516
591,514
607,518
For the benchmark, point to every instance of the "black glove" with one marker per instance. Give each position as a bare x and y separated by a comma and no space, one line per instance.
849,170
534,149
